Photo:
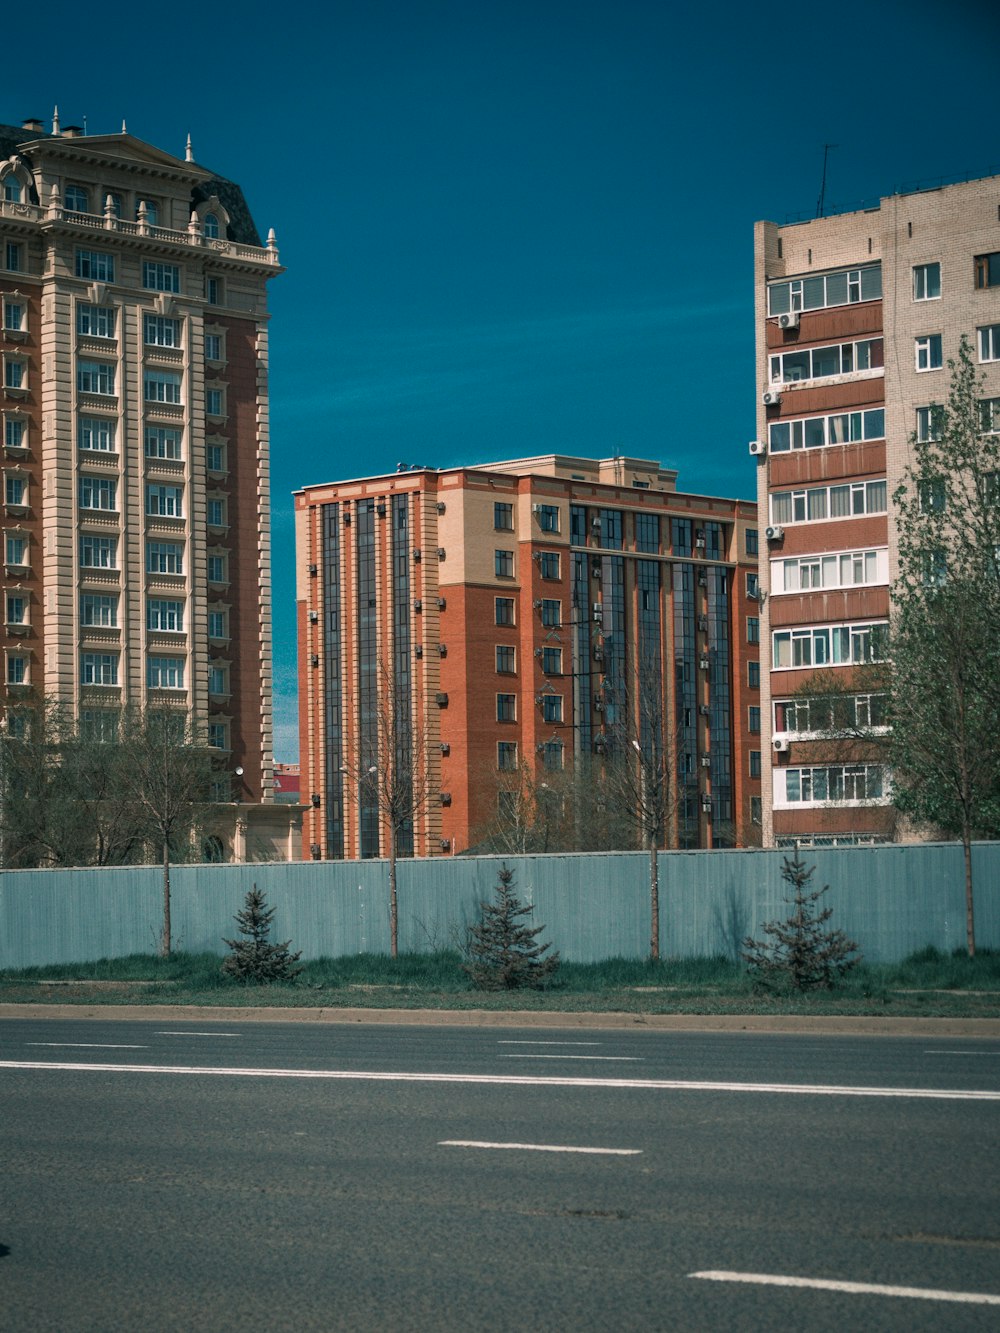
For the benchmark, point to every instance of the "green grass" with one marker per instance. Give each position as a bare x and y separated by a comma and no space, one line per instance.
928,983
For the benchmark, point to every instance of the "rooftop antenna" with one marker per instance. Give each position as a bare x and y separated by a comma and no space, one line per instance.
822,188
55,120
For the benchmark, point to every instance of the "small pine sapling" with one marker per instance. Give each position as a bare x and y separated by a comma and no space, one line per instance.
501,951
798,952
254,960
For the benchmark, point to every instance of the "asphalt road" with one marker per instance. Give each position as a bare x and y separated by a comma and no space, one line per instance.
367,1183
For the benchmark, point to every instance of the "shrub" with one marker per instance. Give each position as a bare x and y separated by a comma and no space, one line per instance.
501,952
799,952
254,960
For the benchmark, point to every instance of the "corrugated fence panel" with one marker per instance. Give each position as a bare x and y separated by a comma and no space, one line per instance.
893,900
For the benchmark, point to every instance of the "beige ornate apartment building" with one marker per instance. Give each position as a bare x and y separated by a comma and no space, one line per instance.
134,347
857,316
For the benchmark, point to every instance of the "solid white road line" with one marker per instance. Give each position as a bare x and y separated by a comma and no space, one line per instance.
993,1053
854,1288
525,1055
505,1042
541,1147
88,1045
520,1080
199,1034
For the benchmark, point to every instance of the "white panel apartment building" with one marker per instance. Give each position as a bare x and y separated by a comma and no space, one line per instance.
857,316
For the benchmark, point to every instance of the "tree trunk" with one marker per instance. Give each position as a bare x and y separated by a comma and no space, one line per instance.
970,926
393,905
654,900
165,942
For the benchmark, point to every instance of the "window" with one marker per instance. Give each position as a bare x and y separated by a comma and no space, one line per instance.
17,609
825,289
164,442
215,456
213,291
76,199
989,342
218,680
167,617
98,493
13,374
13,433
164,558
95,321
15,549
505,659
506,756
752,542
14,490
215,512
935,568
213,346
165,673
548,565
932,495
95,377
753,675
17,670
988,270
829,645
753,717
13,190
98,552
165,501
160,332
157,277
95,265
504,610
818,432
548,518
218,568
821,502
13,316
816,363
830,714
152,211
552,661
100,725
926,282
215,402
503,564
12,256
551,612
210,226
753,629
552,708
217,625
847,784
99,669
218,735
98,610
506,707
503,517
755,768
845,569
753,586
162,386
97,433
989,415
928,352
930,421
553,753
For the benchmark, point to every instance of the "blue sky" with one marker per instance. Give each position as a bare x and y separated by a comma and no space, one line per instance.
513,228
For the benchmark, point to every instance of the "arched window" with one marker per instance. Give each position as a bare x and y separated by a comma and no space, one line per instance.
211,225
152,210
212,849
13,190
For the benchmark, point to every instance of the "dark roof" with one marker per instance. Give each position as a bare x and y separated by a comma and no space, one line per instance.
241,225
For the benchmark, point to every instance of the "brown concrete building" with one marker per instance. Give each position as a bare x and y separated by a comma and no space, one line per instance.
135,449
511,607
857,316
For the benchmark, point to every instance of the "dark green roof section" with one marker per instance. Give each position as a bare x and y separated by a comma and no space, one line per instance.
241,229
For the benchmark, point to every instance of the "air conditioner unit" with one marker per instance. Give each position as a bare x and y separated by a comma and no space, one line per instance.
442,700
789,320
446,798
775,533
704,664
704,710
313,570
757,448
446,844
441,506
314,659
442,650
537,557
771,396
347,518
380,509
538,652
780,744
417,554
441,603
706,761
445,747
440,552
536,509
699,537
596,569
703,622
315,799
418,604
706,804
537,604
418,651
313,617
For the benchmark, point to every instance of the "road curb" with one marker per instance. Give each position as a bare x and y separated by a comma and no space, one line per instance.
817,1025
